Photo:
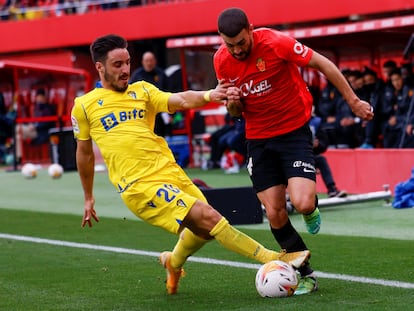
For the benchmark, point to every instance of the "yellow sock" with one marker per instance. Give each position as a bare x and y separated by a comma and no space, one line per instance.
238,242
187,244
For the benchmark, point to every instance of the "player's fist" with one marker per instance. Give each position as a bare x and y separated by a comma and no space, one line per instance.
234,105
234,108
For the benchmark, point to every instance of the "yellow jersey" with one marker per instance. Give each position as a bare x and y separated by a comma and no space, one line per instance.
122,126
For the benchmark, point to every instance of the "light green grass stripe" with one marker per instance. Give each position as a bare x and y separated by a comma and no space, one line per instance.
64,196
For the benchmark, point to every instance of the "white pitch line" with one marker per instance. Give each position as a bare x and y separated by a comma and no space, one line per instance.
236,264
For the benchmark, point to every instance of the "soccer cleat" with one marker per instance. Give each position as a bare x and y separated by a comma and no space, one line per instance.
173,275
307,284
295,259
313,221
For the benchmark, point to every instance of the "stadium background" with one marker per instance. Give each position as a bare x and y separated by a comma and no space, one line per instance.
38,48
363,254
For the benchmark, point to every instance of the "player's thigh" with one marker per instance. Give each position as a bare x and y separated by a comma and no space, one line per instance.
302,192
160,204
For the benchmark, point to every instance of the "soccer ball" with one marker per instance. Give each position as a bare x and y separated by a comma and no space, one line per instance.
276,279
29,170
55,170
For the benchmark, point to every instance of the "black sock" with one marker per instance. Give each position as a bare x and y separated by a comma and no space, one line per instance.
305,269
290,240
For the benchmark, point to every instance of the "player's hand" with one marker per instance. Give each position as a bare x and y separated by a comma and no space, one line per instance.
363,110
89,212
219,94
233,104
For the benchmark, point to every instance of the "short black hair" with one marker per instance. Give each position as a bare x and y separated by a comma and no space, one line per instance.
41,91
395,71
389,64
103,45
369,71
356,73
231,21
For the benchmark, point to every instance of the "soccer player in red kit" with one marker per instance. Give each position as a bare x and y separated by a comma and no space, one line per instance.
263,64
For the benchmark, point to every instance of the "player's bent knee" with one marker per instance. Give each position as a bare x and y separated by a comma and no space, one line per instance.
202,217
211,215
306,206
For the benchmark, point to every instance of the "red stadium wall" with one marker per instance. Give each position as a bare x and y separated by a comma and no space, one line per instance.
361,171
176,19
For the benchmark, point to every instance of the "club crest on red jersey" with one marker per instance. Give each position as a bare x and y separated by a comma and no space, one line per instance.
261,64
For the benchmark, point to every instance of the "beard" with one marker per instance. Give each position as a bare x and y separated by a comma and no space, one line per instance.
240,56
244,54
116,86
121,88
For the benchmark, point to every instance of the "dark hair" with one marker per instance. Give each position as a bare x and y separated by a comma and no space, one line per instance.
389,64
369,71
41,91
395,71
356,73
103,45
231,21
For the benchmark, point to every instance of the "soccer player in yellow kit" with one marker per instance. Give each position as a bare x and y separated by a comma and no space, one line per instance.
120,118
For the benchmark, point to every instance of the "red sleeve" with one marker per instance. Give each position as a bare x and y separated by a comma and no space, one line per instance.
218,64
290,49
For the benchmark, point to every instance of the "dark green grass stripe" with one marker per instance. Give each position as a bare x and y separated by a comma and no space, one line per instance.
122,250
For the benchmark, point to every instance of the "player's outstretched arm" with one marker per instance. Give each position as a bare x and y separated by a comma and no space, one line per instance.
360,107
194,99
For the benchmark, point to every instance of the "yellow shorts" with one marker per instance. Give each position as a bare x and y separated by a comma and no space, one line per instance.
165,200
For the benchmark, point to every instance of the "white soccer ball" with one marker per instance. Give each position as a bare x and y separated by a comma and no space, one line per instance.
276,279
55,170
29,170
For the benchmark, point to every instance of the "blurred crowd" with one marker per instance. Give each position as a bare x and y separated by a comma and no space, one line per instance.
36,9
391,98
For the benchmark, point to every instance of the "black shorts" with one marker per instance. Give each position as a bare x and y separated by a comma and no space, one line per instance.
274,160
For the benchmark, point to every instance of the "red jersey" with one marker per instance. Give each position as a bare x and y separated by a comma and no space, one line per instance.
276,99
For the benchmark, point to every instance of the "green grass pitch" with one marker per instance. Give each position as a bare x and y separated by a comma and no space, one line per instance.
363,255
